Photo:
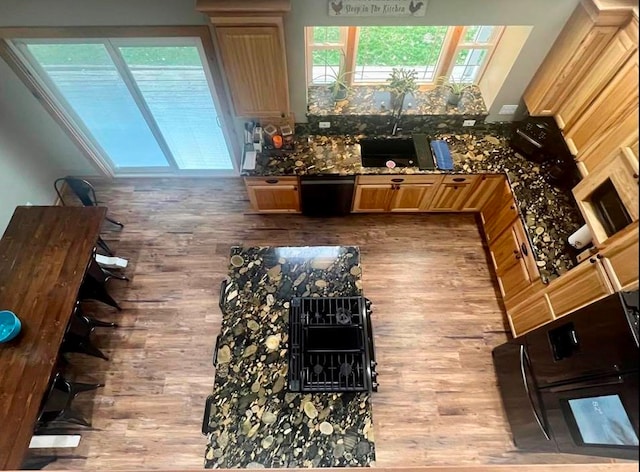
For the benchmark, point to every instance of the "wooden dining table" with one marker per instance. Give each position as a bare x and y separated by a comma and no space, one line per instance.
44,253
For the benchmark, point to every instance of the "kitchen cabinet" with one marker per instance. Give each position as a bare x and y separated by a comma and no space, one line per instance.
583,40
496,223
273,195
453,193
615,54
530,314
621,170
608,109
482,192
620,259
584,284
513,260
250,41
395,193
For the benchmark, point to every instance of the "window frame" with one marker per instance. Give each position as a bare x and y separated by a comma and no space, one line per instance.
41,86
452,44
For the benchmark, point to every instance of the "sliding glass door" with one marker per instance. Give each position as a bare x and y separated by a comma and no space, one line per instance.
145,105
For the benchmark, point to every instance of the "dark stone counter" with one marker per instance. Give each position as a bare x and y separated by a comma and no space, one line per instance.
255,422
550,214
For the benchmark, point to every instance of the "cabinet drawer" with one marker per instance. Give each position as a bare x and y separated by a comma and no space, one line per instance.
275,180
399,179
584,284
534,312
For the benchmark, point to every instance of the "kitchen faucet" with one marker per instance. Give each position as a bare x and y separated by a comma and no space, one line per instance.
396,111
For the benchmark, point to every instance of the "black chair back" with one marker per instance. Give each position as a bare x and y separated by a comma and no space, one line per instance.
81,188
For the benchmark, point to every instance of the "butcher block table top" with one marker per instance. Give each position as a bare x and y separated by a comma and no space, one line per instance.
43,256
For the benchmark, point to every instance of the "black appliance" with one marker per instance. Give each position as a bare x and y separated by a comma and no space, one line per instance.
572,385
326,195
539,139
609,208
331,345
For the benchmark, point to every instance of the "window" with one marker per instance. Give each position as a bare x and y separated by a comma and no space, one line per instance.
367,54
142,104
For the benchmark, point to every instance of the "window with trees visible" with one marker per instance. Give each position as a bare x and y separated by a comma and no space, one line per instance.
367,54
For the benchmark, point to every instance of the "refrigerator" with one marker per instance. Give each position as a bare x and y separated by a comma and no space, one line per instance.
572,385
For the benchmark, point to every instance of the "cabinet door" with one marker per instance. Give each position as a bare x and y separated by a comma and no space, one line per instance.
617,51
530,314
372,198
574,51
497,221
584,284
608,109
620,260
254,63
480,195
412,197
274,198
505,249
453,192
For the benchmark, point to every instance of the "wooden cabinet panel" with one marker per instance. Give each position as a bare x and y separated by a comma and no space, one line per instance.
496,222
372,198
584,284
412,197
621,169
505,249
453,192
584,90
273,194
620,260
513,279
525,251
482,192
530,314
254,63
606,111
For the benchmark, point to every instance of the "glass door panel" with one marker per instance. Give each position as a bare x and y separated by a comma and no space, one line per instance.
174,86
87,79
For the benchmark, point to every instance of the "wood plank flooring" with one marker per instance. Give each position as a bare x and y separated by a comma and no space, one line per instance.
436,318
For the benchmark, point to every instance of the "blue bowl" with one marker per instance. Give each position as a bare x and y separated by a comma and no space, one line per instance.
9,326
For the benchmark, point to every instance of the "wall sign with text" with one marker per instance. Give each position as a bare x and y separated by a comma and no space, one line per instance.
377,7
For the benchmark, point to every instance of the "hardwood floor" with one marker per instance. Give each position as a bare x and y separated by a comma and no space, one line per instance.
436,319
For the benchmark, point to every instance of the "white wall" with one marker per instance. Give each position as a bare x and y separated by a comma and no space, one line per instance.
34,150
547,17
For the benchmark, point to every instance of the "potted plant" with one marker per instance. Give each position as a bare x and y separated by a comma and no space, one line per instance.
338,80
401,82
455,89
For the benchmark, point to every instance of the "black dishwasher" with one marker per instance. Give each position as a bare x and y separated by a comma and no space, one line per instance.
326,195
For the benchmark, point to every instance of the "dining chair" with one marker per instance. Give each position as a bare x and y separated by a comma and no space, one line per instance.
94,285
56,408
77,338
85,192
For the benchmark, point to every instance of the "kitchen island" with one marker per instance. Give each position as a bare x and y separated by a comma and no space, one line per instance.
549,214
254,421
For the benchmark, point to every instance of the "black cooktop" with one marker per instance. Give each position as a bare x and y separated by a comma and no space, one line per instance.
331,345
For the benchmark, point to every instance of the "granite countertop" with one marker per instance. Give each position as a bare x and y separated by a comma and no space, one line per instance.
549,214
254,421
365,100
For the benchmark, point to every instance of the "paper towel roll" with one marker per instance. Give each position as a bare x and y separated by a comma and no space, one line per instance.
580,238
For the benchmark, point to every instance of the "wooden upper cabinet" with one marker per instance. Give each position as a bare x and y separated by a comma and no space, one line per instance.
620,259
578,47
584,91
250,40
605,113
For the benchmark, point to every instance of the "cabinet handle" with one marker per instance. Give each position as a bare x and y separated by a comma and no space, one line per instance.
512,207
271,181
518,256
599,256
295,189
459,179
515,251
592,260
523,248
397,180
455,187
635,175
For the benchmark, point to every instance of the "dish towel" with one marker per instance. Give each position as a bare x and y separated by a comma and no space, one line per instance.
443,156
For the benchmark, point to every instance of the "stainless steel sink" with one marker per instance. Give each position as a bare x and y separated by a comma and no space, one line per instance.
376,152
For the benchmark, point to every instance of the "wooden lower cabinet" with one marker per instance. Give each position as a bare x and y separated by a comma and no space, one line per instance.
620,260
584,284
273,195
454,192
372,198
482,192
412,197
535,311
